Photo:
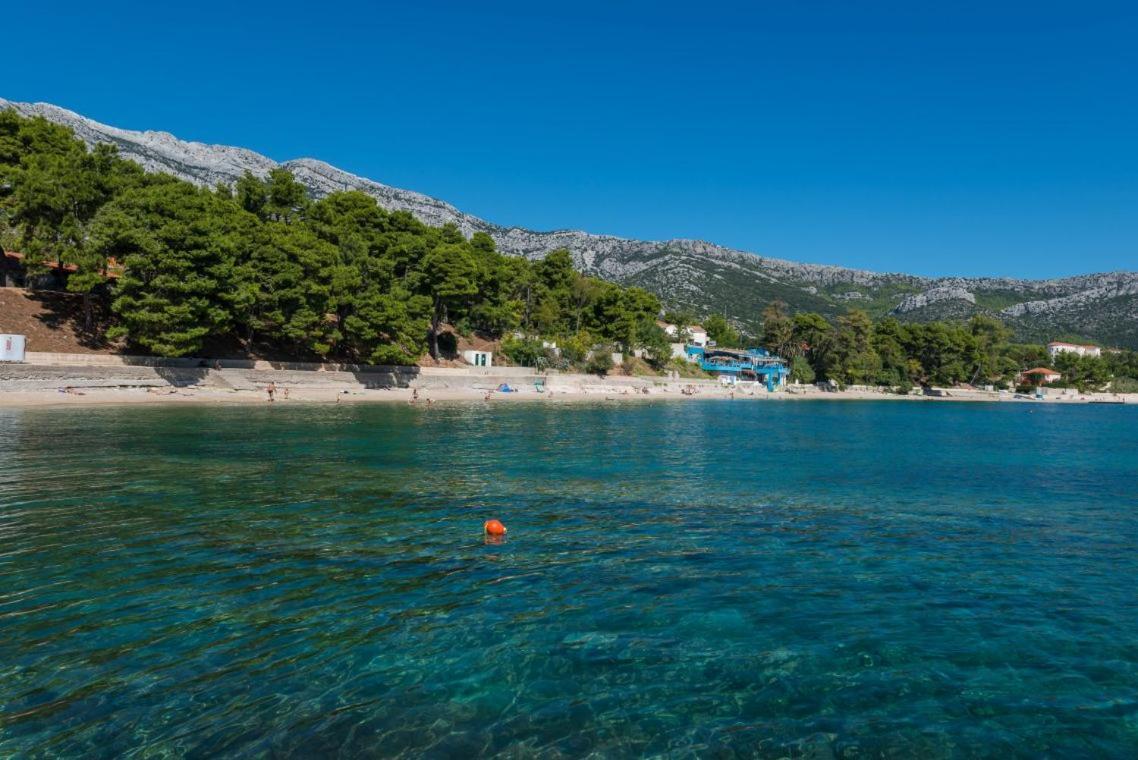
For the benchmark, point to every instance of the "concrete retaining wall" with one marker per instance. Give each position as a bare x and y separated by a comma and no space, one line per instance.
49,371
29,377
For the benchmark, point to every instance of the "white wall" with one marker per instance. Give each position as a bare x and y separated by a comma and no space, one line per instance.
1080,350
11,348
478,358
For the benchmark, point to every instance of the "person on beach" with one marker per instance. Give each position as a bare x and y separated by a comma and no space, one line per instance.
414,395
271,389
285,392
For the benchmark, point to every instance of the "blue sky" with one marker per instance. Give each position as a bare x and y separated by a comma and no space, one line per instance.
971,138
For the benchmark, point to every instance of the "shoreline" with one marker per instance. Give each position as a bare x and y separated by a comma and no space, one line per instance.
557,392
67,380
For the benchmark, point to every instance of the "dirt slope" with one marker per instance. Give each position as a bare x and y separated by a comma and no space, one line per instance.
51,321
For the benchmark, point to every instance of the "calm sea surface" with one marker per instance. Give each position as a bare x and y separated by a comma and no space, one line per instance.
704,578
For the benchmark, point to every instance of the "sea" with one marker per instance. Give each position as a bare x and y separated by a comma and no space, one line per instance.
846,579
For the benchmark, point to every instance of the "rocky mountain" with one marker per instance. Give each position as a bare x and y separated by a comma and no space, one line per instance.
691,274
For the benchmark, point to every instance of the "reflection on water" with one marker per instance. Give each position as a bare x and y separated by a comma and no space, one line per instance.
773,579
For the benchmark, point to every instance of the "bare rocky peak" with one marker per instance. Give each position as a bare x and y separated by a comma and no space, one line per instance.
197,162
933,295
206,164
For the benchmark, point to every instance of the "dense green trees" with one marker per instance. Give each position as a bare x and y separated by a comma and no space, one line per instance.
854,350
178,246
721,331
264,265
857,351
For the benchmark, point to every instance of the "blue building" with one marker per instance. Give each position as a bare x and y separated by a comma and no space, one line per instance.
751,364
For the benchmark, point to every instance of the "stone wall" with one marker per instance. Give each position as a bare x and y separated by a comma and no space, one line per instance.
45,371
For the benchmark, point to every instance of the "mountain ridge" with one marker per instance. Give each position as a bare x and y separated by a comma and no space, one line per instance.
686,273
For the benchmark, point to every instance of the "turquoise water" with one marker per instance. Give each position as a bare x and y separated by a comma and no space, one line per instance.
707,578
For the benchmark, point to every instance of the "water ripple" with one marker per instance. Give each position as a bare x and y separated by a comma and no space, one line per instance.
849,580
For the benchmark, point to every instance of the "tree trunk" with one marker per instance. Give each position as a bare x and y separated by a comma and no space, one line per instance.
433,341
433,333
88,315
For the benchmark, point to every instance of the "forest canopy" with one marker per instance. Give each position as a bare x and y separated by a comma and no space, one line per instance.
262,263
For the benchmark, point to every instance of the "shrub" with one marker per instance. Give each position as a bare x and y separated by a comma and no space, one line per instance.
600,363
525,352
1124,385
801,370
576,348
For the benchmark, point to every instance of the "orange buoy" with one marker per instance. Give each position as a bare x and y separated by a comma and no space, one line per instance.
494,528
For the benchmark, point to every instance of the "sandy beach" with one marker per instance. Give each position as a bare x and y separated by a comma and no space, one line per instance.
87,386
599,391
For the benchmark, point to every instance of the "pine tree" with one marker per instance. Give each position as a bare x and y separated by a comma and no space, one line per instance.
178,256
450,280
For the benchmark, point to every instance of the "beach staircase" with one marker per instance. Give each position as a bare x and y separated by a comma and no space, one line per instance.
216,379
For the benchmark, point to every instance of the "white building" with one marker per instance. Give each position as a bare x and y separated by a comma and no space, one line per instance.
12,348
1058,347
1040,376
697,336
478,358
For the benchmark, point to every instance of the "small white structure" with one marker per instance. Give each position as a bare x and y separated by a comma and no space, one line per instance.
678,351
12,348
1040,376
479,358
1057,347
697,336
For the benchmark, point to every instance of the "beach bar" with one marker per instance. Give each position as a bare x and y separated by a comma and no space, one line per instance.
741,365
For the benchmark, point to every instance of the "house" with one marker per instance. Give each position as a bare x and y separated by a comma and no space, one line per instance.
698,335
479,358
1040,376
1057,347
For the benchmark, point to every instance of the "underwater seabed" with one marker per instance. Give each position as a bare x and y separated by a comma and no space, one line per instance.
919,580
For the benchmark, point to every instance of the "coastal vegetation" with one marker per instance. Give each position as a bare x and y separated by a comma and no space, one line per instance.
171,268
262,265
855,350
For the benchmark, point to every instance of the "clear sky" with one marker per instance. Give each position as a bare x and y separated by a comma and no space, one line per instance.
972,138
